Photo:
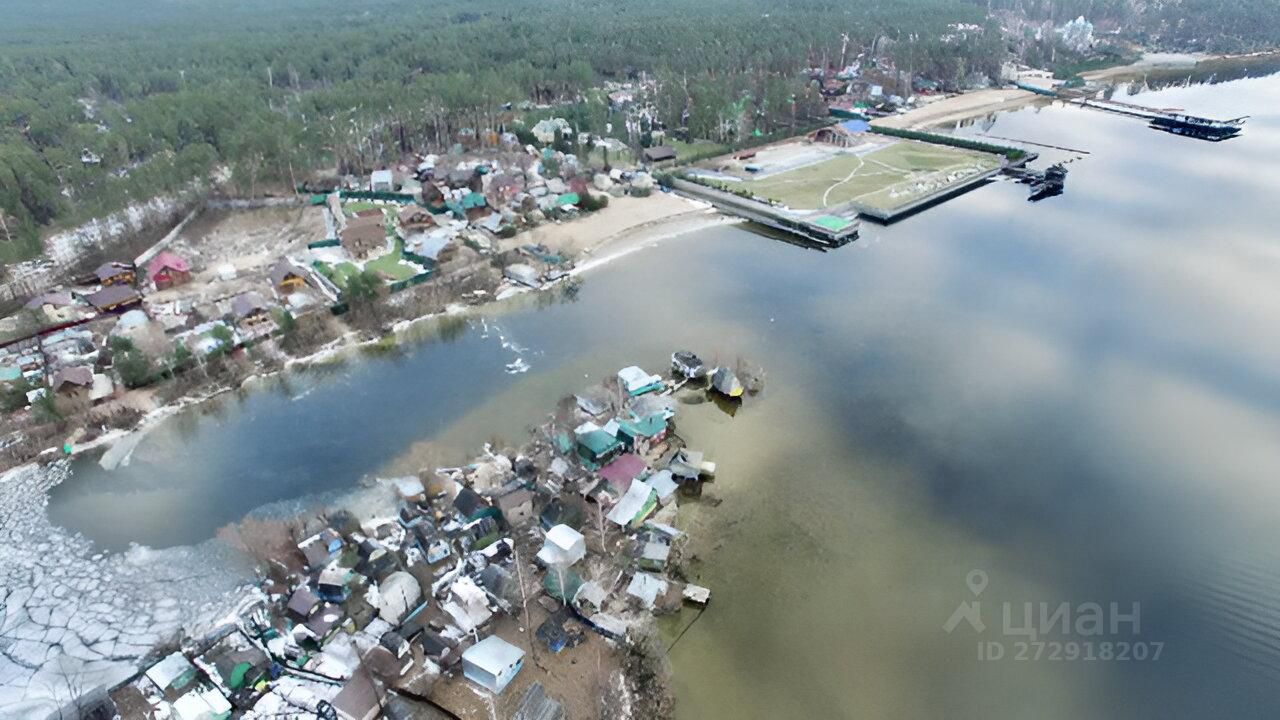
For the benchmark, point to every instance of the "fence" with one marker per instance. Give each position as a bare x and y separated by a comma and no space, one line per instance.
418,279
1009,152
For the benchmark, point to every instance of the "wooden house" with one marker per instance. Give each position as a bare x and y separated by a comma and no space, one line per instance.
363,235
73,384
287,277
114,298
116,273
167,270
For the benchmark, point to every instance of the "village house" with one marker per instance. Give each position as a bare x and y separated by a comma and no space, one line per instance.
359,698
116,273
73,384
364,235
114,298
167,270
415,217
492,663
286,277
251,313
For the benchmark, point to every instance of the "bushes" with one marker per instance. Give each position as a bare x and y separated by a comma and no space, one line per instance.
591,203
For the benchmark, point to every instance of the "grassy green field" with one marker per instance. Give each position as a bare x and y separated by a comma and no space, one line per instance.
871,179
355,206
390,266
340,272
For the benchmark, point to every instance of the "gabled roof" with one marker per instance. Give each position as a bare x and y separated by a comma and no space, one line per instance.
111,269
166,261
113,295
81,376
598,442
303,601
622,471
56,299
358,699
283,269
246,304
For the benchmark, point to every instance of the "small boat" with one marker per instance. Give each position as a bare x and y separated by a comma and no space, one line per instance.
726,383
686,365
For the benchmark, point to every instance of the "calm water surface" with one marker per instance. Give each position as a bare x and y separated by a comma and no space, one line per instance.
1080,398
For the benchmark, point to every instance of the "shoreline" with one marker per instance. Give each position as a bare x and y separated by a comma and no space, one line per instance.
978,103
611,248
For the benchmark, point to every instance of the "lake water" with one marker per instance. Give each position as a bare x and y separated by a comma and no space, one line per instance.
1079,398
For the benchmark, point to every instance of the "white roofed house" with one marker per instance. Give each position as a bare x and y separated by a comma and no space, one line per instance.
563,547
382,181
397,595
492,663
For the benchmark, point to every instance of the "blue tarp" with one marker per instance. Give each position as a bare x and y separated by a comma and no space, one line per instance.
856,126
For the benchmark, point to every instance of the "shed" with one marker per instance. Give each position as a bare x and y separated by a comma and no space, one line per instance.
359,698
301,603
523,274
202,704
516,507
597,446
563,546
646,588
635,506
492,663
660,153
664,484
397,595
382,181
172,674
622,472
637,381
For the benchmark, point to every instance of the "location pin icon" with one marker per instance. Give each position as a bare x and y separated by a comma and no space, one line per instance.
977,582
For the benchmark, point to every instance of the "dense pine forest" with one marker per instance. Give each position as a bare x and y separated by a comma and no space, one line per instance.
104,103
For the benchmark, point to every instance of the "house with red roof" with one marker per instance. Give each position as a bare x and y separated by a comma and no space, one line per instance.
167,270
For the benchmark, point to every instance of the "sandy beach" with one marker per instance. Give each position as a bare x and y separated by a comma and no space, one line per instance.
959,107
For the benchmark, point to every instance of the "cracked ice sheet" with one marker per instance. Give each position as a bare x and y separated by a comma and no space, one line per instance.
72,620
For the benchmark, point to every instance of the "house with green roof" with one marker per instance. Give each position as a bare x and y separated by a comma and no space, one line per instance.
597,447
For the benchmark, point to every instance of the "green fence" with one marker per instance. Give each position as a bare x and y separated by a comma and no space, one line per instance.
406,284
1008,152
369,195
422,260
334,242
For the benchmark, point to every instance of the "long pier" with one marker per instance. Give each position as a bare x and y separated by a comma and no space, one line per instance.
1166,119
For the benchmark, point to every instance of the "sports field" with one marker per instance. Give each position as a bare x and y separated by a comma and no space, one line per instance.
881,177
